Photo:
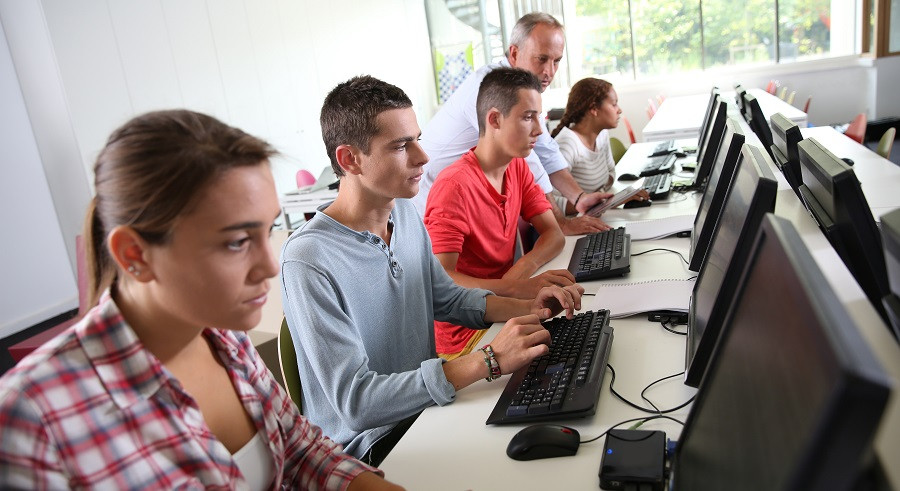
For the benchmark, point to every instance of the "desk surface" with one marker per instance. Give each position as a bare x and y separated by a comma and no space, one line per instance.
450,447
681,117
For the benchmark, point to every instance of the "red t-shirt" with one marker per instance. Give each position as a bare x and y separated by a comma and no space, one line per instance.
466,215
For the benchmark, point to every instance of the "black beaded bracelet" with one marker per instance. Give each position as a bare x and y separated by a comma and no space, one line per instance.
578,198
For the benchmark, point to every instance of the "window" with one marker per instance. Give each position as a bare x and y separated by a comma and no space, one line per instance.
653,38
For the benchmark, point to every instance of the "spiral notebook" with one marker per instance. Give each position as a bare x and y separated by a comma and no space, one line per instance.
627,299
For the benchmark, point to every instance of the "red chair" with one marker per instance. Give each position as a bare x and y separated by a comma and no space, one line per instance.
305,178
772,86
651,108
806,106
630,130
857,128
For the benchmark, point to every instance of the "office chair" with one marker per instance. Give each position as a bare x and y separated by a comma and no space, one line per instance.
618,149
857,128
305,178
887,143
772,86
287,359
783,93
790,97
806,106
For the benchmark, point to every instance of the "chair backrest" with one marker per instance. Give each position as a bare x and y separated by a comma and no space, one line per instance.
287,359
305,178
783,93
887,143
630,130
790,97
806,106
857,128
771,87
618,148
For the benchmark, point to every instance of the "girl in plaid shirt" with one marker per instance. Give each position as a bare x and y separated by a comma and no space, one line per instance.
144,392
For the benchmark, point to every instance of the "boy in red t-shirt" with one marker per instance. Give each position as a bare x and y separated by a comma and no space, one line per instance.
474,206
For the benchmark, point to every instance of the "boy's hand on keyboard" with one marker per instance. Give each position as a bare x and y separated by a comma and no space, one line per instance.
521,340
552,300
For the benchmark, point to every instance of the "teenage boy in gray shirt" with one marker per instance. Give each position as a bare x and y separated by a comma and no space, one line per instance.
361,287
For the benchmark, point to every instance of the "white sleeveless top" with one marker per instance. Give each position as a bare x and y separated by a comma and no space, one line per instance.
255,461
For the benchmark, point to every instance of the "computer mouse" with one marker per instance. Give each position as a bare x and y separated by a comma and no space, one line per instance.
680,154
636,203
543,441
847,161
628,177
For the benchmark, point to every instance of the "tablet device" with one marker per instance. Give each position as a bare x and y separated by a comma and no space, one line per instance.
617,199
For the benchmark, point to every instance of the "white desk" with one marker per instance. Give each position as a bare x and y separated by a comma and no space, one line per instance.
450,447
681,117
294,203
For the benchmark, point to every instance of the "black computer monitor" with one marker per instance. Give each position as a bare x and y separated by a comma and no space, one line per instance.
710,139
793,396
832,194
720,176
750,197
739,92
785,137
707,117
890,238
757,121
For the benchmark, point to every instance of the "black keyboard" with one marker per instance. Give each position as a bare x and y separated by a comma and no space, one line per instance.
658,185
659,165
601,255
663,148
564,383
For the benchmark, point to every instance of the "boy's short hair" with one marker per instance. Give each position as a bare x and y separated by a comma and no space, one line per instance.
350,110
500,89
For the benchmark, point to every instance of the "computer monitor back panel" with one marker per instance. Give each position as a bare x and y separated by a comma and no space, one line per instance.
739,92
793,396
833,195
751,196
720,176
890,238
707,117
706,153
785,138
757,121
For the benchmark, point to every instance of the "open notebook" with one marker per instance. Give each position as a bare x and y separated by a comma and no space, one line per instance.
626,299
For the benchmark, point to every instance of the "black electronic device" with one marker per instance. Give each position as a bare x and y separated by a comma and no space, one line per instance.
601,255
739,92
720,177
751,196
832,194
628,177
890,238
659,165
709,140
785,137
711,107
564,383
658,186
543,441
633,459
757,121
637,203
794,395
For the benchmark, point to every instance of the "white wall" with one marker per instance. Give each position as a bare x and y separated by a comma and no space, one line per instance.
85,67
38,282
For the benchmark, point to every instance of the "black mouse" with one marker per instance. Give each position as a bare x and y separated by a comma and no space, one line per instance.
628,177
543,442
847,161
636,203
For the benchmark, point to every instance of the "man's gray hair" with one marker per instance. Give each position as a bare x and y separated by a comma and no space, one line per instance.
527,23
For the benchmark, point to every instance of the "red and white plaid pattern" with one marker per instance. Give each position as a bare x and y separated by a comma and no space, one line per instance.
93,409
